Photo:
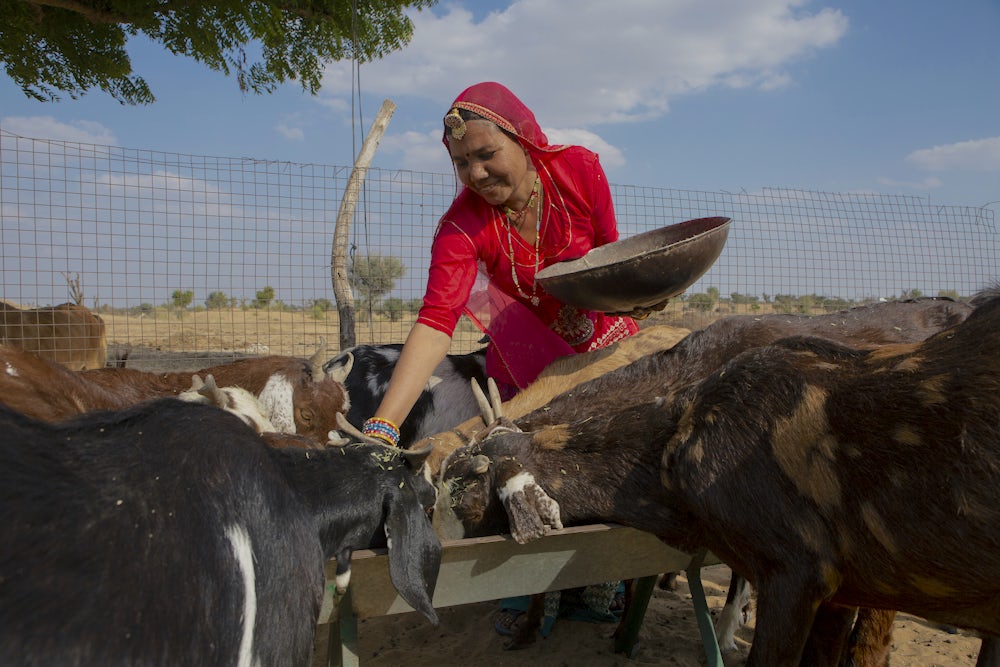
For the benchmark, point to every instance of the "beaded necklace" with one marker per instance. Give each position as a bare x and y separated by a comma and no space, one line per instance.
519,216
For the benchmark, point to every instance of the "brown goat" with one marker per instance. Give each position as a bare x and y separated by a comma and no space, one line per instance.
294,398
830,477
699,354
67,334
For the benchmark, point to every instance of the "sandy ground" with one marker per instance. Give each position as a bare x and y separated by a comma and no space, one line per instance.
669,636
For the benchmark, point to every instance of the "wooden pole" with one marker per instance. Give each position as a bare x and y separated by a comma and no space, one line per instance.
342,230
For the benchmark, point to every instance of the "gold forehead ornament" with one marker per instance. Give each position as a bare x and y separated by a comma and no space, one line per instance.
455,123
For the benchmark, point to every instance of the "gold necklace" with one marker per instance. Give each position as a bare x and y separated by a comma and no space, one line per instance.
537,200
517,217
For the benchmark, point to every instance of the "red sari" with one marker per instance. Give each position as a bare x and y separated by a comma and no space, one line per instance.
474,250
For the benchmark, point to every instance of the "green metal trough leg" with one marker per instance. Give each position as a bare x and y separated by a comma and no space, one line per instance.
343,645
625,640
708,639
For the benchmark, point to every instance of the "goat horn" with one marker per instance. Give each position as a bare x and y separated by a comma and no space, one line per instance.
316,362
350,429
484,405
416,457
196,382
211,390
495,400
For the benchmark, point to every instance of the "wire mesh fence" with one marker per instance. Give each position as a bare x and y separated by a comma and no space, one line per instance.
196,254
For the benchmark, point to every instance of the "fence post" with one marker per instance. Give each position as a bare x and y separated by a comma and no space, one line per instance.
342,229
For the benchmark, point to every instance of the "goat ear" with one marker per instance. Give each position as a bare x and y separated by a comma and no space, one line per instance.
446,523
414,551
530,511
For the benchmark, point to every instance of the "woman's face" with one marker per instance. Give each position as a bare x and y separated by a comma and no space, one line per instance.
491,164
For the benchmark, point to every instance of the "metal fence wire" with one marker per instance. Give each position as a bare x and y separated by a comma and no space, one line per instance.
195,254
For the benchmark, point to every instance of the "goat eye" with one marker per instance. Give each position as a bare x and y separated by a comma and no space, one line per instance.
306,414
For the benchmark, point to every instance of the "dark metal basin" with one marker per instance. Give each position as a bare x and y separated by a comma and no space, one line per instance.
640,271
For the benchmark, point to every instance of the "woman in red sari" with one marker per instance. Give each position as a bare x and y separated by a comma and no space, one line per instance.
525,205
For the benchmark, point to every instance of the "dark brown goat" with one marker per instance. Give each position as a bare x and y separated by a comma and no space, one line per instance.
667,371
832,478
678,359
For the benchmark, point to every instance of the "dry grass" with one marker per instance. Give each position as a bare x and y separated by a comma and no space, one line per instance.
254,332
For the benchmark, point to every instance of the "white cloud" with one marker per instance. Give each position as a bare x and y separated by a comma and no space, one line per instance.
290,133
603,61
611,157
974,155
47,127
421,151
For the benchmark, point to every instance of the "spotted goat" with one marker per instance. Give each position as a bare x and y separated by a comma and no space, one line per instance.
616,442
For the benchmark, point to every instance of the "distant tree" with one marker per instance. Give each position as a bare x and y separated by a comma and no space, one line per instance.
784,303
392,308
217,301
50,47
264,297
738,298
181,299
949,294
700,301
322,304
910,294
372,276
806,302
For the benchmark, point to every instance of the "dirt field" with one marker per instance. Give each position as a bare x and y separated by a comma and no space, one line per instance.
189,340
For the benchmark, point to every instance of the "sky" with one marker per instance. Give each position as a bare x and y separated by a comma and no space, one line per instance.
890,96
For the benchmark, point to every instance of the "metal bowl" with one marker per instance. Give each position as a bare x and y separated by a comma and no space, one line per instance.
638,272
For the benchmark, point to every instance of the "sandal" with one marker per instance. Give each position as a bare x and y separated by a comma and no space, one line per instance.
507,621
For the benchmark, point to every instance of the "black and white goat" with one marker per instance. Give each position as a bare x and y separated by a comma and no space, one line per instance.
445,402
169,533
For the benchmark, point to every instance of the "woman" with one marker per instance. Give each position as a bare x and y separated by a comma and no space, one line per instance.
524,205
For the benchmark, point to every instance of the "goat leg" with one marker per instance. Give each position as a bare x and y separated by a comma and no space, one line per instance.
828,636
785,614
989,652
735,614
870,639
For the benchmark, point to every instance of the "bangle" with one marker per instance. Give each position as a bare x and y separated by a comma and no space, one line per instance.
383,429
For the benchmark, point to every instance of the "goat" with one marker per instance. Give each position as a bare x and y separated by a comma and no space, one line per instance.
586,408
297,395
67,334
169,533
236,400
445,402
293,394
558,377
